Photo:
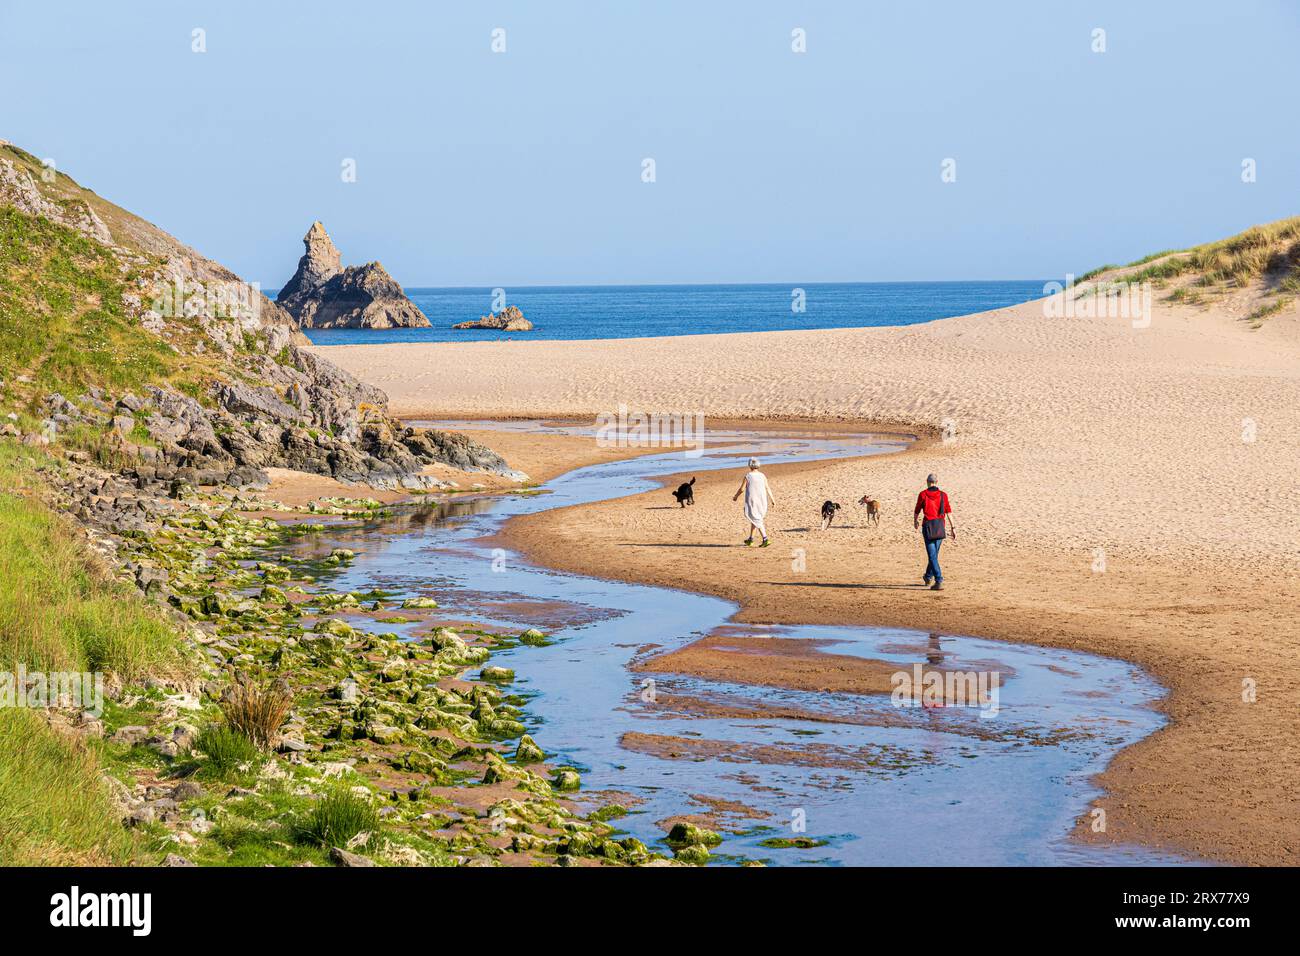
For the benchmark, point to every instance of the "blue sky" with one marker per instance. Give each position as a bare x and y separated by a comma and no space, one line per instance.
525,167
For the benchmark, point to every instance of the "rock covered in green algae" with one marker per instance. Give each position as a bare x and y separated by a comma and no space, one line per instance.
452,650
422,762
273,595
696,853
786,843
687,834
273,573
566,779
528,751
533,637
386,695
502,675
420,604
384,733
498,770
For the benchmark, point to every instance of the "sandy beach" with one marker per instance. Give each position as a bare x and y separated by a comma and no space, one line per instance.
1119,490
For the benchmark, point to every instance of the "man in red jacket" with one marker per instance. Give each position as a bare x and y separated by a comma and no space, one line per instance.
931,513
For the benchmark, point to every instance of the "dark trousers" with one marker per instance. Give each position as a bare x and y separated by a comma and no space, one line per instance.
932,565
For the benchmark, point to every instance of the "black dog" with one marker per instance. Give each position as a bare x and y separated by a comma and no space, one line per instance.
828,513
684,494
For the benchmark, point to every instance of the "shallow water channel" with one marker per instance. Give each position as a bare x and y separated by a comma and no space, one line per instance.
866,781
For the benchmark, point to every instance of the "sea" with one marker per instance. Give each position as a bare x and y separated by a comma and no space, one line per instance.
637,311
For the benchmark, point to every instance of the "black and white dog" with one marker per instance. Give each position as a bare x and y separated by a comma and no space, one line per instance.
828,513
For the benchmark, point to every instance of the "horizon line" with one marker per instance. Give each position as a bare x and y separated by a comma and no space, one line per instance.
671,285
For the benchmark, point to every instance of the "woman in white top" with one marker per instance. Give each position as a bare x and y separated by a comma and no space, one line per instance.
758,495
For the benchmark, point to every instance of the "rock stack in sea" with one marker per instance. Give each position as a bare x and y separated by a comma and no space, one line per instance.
323,294
509,319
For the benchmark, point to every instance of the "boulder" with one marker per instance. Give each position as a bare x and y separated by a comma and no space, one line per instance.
341,857
509,319
528,751
688,834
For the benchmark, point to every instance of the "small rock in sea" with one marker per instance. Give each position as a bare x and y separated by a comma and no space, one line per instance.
509,319
420,603
497,674
533,637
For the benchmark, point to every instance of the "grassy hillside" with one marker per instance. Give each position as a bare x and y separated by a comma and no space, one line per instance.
63,321
60,612
1263,260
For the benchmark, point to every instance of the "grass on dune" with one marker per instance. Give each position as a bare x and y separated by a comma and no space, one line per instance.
1269,253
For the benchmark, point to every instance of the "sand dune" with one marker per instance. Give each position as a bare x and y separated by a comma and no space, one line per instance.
1171,448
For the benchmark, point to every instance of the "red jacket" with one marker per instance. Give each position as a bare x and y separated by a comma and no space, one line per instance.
934,503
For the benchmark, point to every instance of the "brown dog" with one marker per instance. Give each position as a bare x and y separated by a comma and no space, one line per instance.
873,508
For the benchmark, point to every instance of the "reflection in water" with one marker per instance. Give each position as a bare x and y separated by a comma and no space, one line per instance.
934,653
874,783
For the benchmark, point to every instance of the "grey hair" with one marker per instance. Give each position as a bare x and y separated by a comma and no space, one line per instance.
753,463
930,479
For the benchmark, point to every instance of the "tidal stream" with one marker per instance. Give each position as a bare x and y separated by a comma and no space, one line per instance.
861,779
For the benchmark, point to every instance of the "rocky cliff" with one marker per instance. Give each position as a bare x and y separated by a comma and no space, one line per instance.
117,339
323,294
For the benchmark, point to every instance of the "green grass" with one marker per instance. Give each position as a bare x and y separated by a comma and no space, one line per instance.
58,610
225,748
64,324
62,319
337,817
54,808
59,613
